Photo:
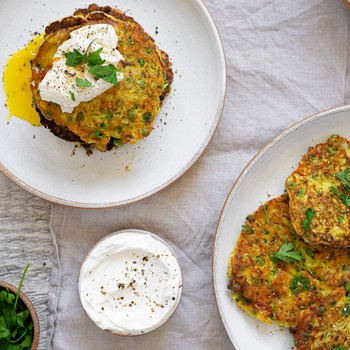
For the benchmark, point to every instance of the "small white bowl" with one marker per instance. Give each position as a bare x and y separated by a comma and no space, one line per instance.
130,283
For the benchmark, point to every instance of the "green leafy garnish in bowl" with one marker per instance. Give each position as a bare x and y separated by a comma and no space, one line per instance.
16,324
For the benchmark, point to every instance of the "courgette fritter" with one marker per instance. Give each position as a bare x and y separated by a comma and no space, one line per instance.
319,192
325,325
271,289
125,112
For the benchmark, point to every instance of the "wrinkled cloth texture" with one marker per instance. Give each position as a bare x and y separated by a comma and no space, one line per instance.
286,60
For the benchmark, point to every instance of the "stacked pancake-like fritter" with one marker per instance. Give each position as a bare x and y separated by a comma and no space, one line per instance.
276,275
275,290
317,187
125,112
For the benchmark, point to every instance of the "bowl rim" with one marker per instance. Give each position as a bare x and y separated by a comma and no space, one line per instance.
31,309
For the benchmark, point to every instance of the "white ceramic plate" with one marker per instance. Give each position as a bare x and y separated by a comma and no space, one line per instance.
42,163
261,180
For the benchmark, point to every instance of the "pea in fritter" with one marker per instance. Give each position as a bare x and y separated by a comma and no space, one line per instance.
125,112
319,192
274,274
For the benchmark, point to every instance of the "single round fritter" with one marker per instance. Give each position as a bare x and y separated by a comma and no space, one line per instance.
264,284
319,192
125,112
325,325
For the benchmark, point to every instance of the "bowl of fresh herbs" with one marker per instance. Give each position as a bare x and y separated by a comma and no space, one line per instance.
19,323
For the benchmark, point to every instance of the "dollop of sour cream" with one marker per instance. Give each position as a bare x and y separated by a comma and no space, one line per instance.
59,84
130,283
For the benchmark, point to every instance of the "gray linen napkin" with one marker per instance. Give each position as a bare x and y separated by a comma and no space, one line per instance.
286,60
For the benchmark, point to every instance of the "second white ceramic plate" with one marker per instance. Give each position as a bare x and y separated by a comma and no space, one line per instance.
261,180
44,165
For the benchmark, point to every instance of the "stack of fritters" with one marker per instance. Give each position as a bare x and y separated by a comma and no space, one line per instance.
125,112
277,271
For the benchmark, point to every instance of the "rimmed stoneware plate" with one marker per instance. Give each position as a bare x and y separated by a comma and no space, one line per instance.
44,165
261,180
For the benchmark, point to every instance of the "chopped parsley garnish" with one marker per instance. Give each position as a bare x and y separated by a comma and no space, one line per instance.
266,213
107,73
118,142
75,58
346,310
260,260
347,287
344,177
146,117
299,284
141,62
345,199
309,216
109,115
247,229
98,134
334,190
287,254
72,96
339,348
94,61
310,252
82,82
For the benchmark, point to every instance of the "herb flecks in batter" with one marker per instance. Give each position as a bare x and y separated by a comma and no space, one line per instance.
344,177
299,284
310,213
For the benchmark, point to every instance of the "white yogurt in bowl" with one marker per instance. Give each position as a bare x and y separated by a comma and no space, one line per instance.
130,283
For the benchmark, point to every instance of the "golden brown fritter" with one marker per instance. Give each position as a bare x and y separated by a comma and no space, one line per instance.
269,288
319,192
125,112
325,325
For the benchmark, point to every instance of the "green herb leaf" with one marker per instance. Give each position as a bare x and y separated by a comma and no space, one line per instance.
98,134
118,142
141,62
147,117
346,310
82,82
20,285
94,58
337,347
247,229
107,73
334,190
310,252
299,284
286,254
344,177
72,96
309,216
345,199
266,213
74,58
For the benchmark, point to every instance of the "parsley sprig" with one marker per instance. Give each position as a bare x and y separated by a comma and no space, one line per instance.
95,63
287,254
299,284
16,325
344,177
